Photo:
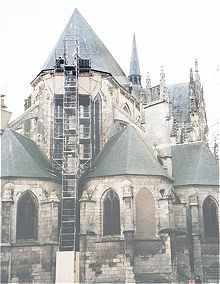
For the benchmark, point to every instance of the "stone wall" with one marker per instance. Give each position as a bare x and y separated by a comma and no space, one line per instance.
29,263
203,253
94,190
37,121
114,258
29,260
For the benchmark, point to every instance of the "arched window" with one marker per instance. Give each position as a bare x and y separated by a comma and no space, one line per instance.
111,214
210,217
145,215
96,124
27,217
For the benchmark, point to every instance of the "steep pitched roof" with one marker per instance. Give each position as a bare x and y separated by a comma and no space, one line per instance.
194,164
179,96
21,157
134,62
126,154
90,47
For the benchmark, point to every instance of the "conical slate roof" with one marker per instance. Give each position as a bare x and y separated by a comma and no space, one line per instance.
21,157
194,164
126,154
134,63
90,47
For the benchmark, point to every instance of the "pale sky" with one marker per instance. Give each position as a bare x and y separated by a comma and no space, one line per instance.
172,33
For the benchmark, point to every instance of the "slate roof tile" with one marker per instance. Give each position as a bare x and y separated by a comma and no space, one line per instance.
126,153
90,47
21,157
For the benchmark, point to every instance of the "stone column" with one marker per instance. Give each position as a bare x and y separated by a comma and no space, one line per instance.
128,230
128,219
49,215
196,236
6,208
88,236
167,232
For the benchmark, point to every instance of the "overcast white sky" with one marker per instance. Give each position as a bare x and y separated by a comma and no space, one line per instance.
171,33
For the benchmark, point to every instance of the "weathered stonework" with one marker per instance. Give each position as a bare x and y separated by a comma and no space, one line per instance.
26,261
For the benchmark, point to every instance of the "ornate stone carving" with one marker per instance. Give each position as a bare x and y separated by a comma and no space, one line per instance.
53,196
127,189
193,199
88,193
8,192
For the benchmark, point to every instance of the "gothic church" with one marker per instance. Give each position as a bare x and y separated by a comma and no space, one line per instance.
148,182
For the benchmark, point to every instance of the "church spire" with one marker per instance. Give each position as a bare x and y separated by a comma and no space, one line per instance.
134,74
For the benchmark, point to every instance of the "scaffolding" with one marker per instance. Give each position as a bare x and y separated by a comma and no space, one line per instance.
69,239
72,130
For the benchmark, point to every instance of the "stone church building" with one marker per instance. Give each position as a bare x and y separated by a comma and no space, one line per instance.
148,184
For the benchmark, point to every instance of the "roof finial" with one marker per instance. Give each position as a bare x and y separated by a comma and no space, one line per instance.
148,81
147,96
163,88
162,74
196,65
191,76
196,71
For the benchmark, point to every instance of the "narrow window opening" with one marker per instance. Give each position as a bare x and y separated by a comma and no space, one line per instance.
111,214
27,217
210,215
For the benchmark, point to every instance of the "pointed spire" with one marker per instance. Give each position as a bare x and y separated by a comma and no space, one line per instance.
134,63
134,74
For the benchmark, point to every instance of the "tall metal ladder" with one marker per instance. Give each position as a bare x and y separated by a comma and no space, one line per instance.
69,232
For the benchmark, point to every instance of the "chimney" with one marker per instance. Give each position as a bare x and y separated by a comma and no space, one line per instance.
5,114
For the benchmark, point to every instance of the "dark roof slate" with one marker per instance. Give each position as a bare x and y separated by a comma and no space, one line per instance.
126,153
90,47
21,157
194,164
